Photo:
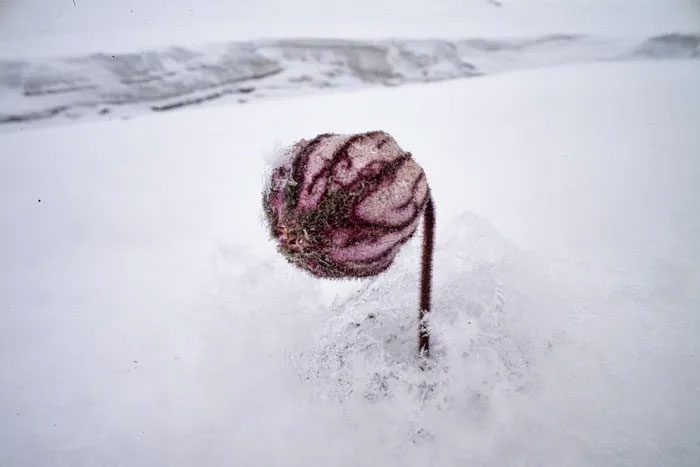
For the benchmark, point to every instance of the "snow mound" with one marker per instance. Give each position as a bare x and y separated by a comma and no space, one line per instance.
368,349
495,323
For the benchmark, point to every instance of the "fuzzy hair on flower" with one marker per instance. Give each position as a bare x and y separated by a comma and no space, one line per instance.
342,205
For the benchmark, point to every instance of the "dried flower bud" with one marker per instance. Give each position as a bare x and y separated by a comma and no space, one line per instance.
342,205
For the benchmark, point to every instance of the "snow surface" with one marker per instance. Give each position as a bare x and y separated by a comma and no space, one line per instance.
44,28
147,319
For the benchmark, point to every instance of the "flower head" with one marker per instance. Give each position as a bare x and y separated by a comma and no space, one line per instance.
342,205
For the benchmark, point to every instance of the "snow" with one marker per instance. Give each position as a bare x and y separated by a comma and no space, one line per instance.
148,320
38,28
112,85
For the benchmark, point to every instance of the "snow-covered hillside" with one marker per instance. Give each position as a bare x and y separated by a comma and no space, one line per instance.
119,85
41,28
148,320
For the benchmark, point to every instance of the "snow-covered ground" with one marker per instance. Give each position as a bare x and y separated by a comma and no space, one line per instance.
43,28
120,85
147,319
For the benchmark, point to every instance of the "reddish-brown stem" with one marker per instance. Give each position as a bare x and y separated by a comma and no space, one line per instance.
426,277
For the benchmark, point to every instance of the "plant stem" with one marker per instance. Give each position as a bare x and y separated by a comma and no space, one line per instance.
426,277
